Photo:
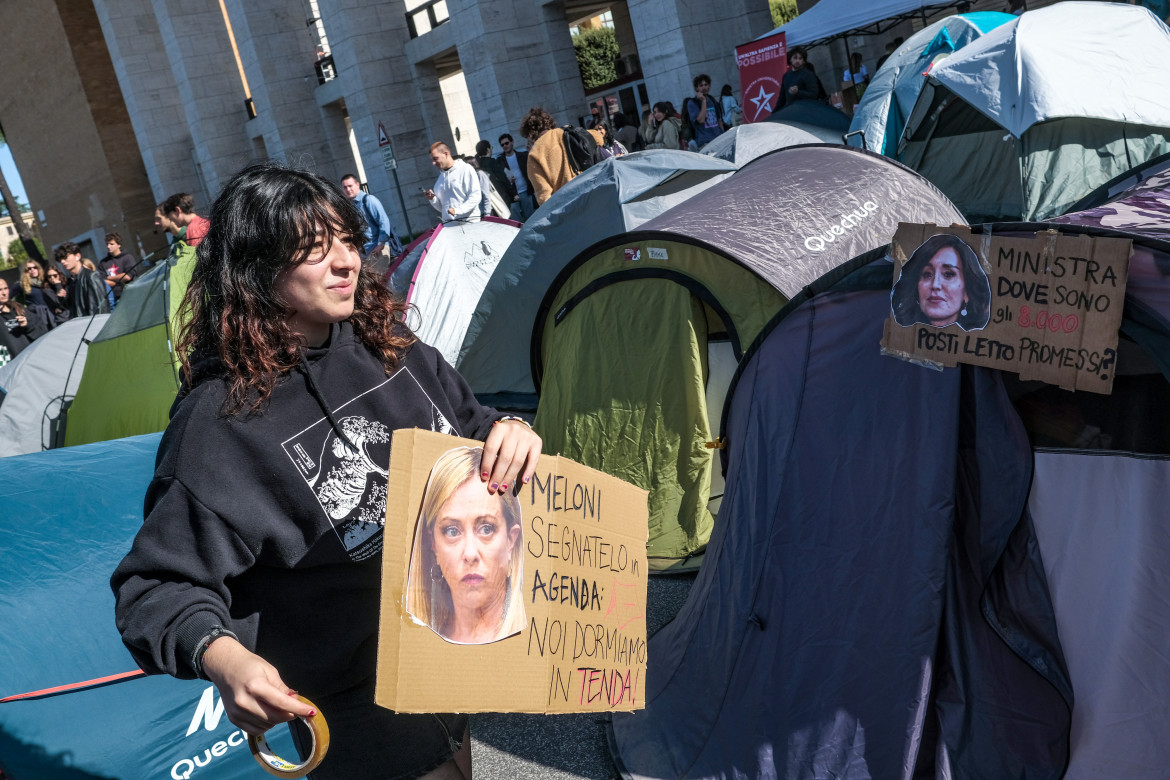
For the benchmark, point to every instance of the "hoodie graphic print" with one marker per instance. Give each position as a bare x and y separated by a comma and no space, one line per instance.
350,484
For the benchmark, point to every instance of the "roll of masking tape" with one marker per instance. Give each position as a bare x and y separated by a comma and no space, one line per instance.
275,765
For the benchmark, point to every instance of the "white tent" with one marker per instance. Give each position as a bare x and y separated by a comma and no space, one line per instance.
39,380
830,18
443,274
1053,63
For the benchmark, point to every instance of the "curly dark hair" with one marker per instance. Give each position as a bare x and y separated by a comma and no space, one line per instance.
535,122
904,297
235,326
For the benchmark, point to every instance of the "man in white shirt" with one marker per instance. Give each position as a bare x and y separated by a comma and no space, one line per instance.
456,194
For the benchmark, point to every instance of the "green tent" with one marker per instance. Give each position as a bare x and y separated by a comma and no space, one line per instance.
132,372
638,338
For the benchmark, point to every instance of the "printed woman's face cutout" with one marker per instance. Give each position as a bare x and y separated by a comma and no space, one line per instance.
473,547
941,289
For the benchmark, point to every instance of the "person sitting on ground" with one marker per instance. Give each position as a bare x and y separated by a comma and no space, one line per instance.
800,82
85,290
665,125
549,168
456,194
180,209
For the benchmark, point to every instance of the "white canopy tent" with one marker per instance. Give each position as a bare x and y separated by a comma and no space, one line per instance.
830,19
1048,64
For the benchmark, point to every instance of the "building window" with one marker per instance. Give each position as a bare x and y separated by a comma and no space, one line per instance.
10,230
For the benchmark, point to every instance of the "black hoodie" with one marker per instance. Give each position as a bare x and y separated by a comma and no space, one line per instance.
270,524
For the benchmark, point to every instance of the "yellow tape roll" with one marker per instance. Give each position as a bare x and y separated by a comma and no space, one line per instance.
275,765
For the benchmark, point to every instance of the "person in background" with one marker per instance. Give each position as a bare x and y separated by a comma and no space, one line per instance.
704,112
20,326
610,146
498,176
732,111
180,209
456,194
380,236
548,162
86,292
56,294
646,129
516,164
800,82
32,283
626,133
665,125
120,267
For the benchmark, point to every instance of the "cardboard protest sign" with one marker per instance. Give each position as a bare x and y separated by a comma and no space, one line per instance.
531,602
1047,307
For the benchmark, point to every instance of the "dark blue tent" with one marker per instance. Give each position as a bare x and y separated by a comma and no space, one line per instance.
69,517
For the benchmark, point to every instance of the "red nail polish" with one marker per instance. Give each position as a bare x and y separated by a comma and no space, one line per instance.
314,712
485,475
503,487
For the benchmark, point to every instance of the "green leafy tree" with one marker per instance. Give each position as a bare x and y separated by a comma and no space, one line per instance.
597,51
783,11
17,254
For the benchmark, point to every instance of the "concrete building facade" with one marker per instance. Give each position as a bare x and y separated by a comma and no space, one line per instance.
192,90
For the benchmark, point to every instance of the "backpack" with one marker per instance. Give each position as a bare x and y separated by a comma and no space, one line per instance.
581,148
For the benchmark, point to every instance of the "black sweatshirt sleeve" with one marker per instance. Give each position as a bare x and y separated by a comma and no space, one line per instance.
473,420
171,588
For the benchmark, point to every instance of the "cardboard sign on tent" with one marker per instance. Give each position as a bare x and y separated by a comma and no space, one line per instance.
442,274
93,714
637,338
574,637
1026,120
847,661
613,196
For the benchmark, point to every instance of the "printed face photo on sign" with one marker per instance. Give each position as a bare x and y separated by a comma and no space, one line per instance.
943,283
466,565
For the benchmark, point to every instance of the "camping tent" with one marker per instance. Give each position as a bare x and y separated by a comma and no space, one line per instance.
614,196
815,117
878,555
881,115
1038,112
831,19
40,382
443,273
59,547
131,375
744,143
637,338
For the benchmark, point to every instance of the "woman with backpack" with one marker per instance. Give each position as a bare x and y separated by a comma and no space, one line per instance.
665,126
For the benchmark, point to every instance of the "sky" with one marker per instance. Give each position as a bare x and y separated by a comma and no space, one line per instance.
11,174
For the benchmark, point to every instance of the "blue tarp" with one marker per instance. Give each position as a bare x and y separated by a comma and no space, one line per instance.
69,517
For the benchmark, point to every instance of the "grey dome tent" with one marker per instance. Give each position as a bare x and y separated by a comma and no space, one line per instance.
637,337
40,383
614,196
1037,113
880,117
442,275
927,573
816,117
744,143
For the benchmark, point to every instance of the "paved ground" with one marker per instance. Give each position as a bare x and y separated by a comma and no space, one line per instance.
562,747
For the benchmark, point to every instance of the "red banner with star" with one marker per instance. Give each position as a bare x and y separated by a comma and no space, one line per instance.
762,64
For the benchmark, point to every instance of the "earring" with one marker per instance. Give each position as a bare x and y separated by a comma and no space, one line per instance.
436,572
964,311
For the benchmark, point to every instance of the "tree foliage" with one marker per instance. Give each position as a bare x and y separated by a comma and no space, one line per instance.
783,11
597,51
17,254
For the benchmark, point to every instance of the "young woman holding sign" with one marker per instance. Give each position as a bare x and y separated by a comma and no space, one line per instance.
259,564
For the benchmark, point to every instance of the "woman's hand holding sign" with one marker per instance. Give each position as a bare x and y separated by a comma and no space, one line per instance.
511,450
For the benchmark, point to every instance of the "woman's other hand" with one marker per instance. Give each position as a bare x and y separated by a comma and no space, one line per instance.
509,452
254,697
